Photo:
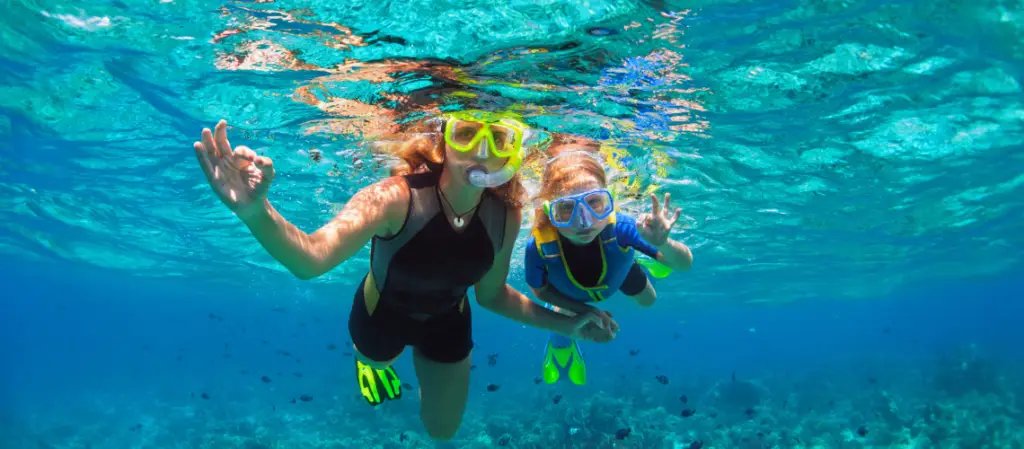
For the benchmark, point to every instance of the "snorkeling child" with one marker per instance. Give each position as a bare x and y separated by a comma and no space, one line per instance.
582,250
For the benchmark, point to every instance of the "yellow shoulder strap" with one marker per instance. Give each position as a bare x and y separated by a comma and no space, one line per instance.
544,235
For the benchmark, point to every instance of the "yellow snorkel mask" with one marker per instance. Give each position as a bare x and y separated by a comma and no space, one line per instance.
500,134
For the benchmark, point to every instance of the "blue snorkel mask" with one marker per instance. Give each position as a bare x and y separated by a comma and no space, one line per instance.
580,210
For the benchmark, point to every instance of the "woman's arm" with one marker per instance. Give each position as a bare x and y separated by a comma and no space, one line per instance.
370,212
551,296
494,293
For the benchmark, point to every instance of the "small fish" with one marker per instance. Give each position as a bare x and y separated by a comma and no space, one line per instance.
492,359
297,374
887,331
537,380
696,445
293,400
305,398
145,347
492,387
407,386
634,352
225,356
675,335
687,412
265,379
284,353
872,380
504,440
204,396
135,427
403,437
734,376
599,31
621,434
662,379
557,398
862,431
273,408
684,399
347,354
750,411
215,317
244,371
265,342
472,367
332,347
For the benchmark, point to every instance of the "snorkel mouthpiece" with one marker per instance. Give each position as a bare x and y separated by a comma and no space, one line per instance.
479,177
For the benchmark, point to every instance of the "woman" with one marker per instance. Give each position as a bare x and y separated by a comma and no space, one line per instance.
582,249
446,220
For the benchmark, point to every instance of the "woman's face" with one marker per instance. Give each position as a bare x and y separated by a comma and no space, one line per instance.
460,163
585,226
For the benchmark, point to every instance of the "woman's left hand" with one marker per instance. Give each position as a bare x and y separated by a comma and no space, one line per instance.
655,227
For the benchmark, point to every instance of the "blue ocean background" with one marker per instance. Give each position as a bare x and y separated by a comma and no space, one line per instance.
850,173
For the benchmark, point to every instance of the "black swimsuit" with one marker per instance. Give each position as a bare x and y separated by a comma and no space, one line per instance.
423,273
585,261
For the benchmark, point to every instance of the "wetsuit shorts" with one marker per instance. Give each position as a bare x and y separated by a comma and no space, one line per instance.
443,338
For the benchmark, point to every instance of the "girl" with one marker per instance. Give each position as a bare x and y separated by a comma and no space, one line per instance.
582,250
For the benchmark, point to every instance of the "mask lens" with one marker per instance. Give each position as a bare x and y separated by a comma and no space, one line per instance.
463,133
599,202
562,211
504,140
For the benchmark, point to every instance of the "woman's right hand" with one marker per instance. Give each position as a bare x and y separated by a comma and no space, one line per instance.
596,326
239,177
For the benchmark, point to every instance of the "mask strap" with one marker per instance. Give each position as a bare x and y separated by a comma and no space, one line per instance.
575,153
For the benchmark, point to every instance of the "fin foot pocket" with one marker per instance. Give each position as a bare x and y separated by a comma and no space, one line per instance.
377,385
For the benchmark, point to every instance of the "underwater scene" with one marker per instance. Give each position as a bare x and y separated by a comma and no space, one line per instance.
580,224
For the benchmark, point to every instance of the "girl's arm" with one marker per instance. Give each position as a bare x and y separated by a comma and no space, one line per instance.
675,255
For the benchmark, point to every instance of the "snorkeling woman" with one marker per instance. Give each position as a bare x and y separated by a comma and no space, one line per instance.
582,250
446,220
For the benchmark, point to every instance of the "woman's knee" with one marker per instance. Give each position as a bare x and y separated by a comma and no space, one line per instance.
440,428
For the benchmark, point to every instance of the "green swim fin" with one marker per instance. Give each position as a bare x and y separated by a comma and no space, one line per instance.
563,354
378,385
657,269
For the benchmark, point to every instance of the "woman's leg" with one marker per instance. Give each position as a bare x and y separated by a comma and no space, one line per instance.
442,361
444,390
377,335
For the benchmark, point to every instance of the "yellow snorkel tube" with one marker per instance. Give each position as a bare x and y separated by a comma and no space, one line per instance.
500,133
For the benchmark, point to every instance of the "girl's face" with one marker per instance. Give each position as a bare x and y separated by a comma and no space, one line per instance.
585,227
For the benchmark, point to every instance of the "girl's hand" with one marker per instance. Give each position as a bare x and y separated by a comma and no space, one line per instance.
656,226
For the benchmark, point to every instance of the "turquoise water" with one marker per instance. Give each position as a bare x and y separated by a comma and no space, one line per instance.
850,175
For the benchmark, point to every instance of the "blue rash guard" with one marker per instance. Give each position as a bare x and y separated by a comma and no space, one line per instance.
591,272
